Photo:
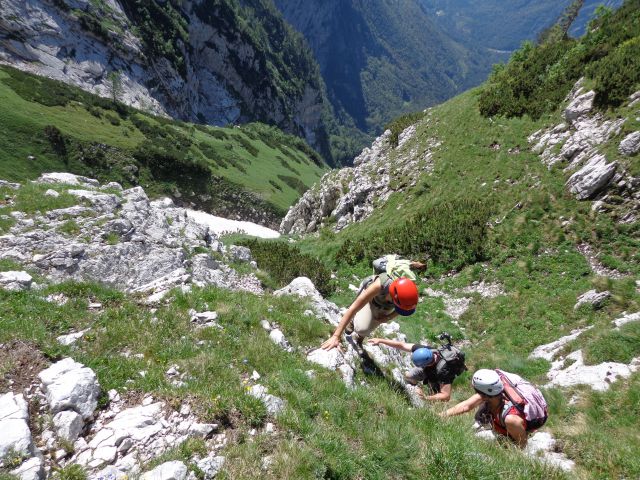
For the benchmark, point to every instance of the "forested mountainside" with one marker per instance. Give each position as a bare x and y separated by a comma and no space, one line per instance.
253,171
380,59
202,61
517,21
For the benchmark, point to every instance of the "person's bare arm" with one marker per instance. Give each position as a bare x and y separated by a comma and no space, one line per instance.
391,343
365,297
443,396
464,407
417,266
516,430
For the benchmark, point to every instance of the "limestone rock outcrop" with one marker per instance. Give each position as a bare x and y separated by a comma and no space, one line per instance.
576,145
123,240
350,194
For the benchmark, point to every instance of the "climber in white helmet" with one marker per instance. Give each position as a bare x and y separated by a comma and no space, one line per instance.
510,404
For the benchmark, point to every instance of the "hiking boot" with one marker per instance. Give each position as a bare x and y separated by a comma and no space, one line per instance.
355,341
349,328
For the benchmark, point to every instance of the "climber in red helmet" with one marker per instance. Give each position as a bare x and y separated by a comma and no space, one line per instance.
380,299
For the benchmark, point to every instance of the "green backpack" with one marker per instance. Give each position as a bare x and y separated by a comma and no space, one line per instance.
394,266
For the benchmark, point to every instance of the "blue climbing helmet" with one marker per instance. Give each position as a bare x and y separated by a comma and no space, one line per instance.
422,357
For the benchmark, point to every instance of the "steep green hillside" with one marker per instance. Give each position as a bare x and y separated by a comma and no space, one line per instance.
225,170
485,174
537,78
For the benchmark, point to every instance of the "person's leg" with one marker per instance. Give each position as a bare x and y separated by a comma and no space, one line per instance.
415,375
364,323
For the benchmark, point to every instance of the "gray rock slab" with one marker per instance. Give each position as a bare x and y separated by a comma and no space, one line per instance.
15,281
593,298
210,466
31,469
630,145
15,436
68,425
69,385
274,404
167,471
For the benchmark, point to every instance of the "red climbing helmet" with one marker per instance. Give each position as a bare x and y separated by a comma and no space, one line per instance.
404,294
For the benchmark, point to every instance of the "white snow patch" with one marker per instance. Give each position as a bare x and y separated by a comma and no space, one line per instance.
219,225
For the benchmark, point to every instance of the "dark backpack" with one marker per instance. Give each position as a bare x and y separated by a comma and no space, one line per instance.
452,356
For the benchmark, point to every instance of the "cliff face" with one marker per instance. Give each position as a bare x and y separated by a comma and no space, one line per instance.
197,61
381,59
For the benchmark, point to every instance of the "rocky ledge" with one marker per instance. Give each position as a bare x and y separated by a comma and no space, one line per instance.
120,238
576,144
350,194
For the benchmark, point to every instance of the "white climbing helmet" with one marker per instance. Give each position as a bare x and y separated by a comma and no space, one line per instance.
487,382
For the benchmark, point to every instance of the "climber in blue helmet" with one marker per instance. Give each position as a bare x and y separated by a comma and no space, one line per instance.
434,367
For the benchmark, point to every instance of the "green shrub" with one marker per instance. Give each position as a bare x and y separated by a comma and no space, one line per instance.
70,472
285,262
618,74
275,185
246,144
294,183
398,124
56,140
452,234
288,166
538,77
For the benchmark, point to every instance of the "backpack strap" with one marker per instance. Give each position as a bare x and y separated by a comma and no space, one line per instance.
511,392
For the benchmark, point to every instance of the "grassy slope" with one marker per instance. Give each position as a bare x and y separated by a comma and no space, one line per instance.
327,431
21,134
534,257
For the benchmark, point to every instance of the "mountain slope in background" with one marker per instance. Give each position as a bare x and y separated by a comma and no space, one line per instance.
501,25
210,62
253,172
379,59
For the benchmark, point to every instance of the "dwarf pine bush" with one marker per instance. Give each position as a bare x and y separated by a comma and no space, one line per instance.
284,263
451,234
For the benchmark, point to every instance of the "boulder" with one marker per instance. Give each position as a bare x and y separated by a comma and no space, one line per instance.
210,466
591,179
32,469
15,281
593,298
16,436
274,404
579,107
304,287
167,471
330,359
69,385
68,179
68,425
279,339
630,145
240,254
